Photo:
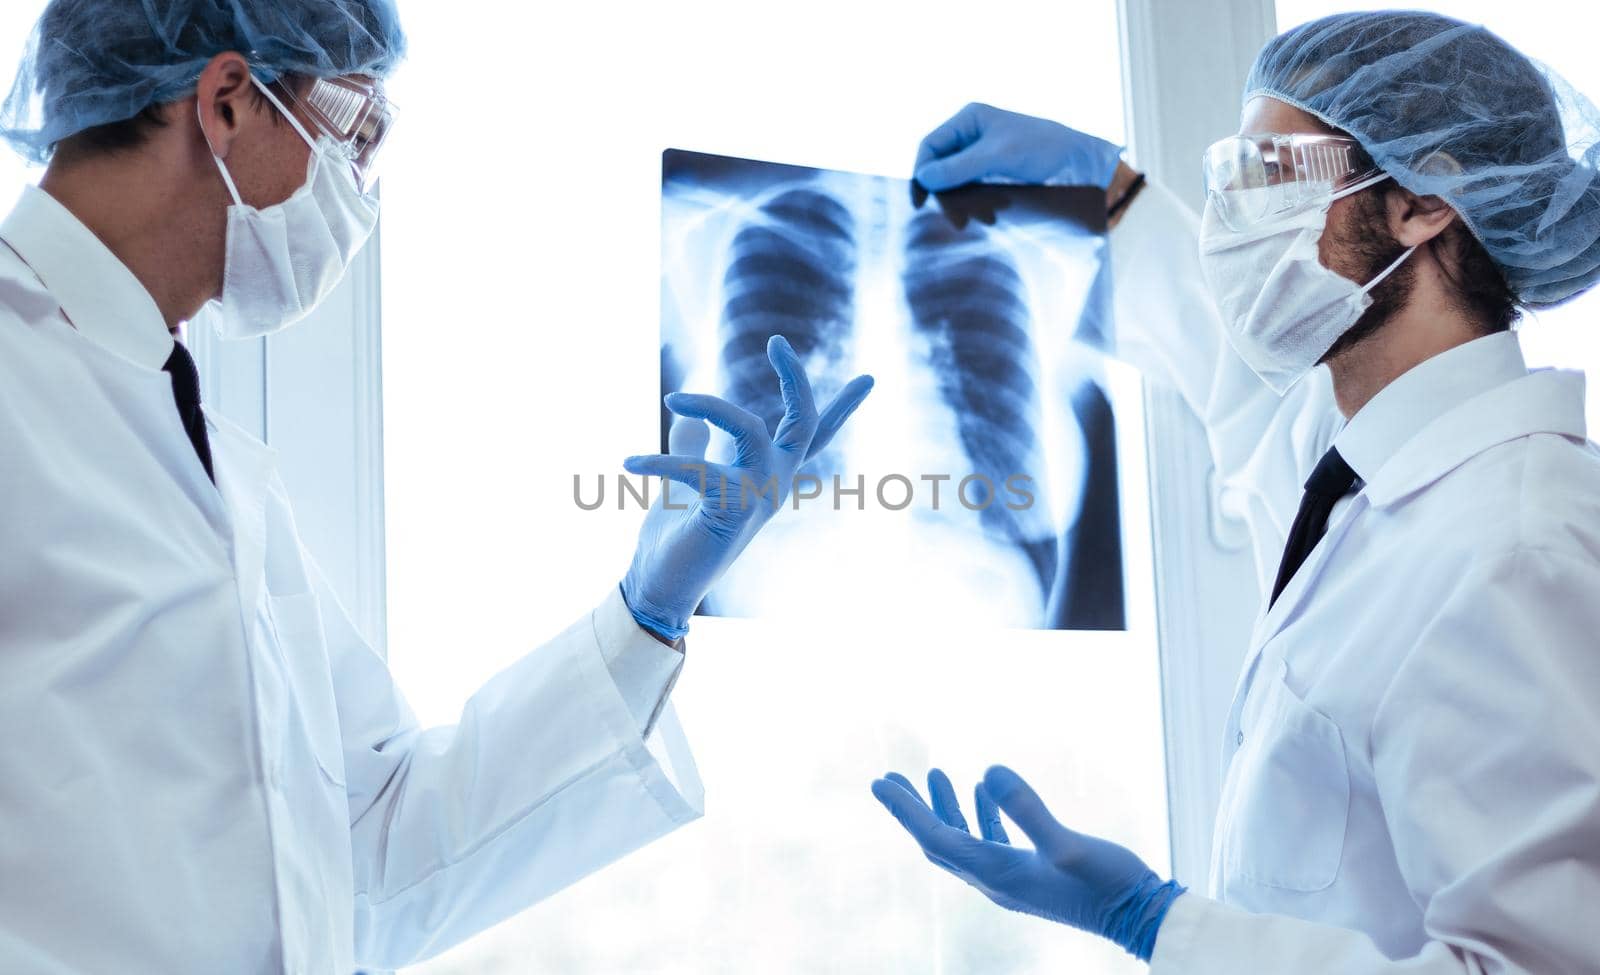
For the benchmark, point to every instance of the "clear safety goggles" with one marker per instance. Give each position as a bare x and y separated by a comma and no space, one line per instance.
356,116
1252,178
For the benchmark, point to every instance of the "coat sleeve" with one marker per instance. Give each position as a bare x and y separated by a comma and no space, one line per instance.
1167,327
1484,750
545,779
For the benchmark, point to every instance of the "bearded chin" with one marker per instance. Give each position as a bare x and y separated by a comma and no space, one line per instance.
1371,251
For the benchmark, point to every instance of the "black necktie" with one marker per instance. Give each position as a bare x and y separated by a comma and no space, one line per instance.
1331,480
186,390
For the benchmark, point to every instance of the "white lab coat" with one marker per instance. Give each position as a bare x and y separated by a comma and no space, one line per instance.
1412,758
203,766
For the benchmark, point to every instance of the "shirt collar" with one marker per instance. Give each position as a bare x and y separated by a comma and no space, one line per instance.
1426,392
98,294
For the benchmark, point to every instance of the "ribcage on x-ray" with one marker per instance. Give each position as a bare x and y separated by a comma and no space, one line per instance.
790,273
968,301
979,335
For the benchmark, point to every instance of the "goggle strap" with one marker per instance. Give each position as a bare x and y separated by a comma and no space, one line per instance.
286,113
1358,187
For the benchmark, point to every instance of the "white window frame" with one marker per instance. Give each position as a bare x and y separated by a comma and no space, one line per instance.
1184,63
1184,66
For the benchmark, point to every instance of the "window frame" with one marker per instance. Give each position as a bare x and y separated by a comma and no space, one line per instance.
1184,65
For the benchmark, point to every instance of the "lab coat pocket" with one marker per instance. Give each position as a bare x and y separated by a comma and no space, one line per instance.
1292,798
297,621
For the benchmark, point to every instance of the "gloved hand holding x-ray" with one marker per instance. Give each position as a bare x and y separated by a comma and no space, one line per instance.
987,144
688,542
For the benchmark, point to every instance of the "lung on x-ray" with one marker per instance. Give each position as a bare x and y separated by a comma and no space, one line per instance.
978,483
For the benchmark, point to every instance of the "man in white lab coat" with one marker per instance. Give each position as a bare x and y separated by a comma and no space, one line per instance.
1412,758
203,766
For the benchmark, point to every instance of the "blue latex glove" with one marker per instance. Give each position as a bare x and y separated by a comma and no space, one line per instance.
691,536
1088,883
981,143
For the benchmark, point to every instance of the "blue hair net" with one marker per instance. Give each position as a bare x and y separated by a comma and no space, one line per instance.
1449,109
93,62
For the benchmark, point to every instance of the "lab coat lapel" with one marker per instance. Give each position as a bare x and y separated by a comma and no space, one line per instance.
244,468
1294,594
1304,579
1546,401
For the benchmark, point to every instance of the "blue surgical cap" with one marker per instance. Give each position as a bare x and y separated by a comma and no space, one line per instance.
1449,109
93,62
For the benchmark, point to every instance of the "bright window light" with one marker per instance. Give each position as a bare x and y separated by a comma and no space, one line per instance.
521,291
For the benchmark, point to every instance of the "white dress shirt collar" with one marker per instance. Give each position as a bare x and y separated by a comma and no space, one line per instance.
1428,391
99,295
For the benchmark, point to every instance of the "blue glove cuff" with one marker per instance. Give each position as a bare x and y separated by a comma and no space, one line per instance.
1138,919
1096,166
671,632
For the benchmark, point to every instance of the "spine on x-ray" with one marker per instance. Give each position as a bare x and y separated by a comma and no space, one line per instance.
968,301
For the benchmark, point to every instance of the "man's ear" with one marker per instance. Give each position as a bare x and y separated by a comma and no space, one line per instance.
1414,219
225,97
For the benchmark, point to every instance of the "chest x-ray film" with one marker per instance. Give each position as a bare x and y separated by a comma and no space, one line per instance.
978,483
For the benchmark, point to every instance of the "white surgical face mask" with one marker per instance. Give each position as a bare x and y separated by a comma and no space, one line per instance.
1283,310
282,261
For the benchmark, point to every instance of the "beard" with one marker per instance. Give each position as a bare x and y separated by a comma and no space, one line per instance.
1362,247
